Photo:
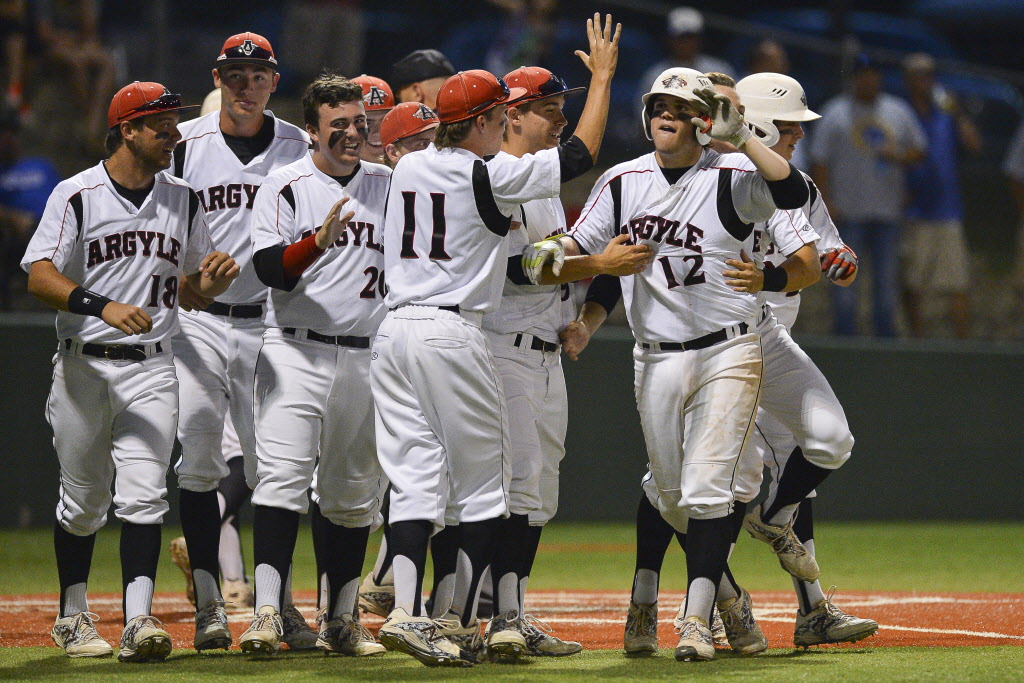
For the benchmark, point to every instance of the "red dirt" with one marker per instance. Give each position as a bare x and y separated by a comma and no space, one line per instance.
596,618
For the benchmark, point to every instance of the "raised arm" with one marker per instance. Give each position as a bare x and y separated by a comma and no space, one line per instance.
602,60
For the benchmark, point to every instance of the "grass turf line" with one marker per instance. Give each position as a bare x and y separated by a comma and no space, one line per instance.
889,664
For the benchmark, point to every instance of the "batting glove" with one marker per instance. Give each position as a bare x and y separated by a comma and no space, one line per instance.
839,264
535,255
727,123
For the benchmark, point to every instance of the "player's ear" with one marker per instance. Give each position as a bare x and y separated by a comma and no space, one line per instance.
392,153
216,78
313,134
277,77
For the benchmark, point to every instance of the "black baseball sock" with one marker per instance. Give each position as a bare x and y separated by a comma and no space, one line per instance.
200,523
739,511
798,479
803,526
389,553
340,552
409,541
140,552
274,533
531,544
74,557
444,554
234,489
510,554
653,534
808,593
707,553
475,553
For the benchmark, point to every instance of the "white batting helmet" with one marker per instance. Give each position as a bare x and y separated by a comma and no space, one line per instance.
678,82
770,97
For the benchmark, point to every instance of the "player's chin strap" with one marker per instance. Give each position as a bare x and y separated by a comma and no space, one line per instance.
536,255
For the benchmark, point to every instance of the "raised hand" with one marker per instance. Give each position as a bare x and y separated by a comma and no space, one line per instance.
334,225
604,46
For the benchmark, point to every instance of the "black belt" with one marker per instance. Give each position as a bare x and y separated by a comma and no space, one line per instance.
235,310
694,344
351,342
536,344
115,351
450,309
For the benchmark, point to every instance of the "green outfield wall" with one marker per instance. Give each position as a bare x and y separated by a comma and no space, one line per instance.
937,427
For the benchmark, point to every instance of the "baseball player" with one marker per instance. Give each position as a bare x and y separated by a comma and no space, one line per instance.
378,101
698,360
109,251
418,76
441,415
316,233
225,155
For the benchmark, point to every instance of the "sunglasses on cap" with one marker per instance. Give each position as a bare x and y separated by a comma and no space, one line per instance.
490,103
165,101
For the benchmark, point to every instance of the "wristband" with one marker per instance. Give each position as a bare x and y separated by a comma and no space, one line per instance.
775,279
741,136
84,302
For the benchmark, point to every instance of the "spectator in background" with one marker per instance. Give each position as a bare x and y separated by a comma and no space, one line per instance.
25,185
525,37
860,150
685,27
69,32
1013,168
768,55
323,34
14,36
418,76
935,257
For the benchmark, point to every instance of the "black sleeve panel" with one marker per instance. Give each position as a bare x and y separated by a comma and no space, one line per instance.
179,160
514,271
813,190
79,209
493,218
605,290
734,225
193,208
790,192
289,195
574,159
269,265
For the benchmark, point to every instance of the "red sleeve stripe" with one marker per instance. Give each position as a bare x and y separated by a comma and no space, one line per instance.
64,219
277,220
584,216
197,137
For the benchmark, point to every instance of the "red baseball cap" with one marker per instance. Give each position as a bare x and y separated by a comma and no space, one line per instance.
471,93
142,99
247,48
407,118
377,94
539,83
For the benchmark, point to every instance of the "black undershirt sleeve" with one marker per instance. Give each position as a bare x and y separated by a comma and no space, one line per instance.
790,192
514,271
605,291
269,265
574,159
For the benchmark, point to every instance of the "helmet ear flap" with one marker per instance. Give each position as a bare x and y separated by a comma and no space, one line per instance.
766,132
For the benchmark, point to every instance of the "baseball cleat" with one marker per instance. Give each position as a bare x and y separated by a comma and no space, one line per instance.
376,598
641,629
179,555
420,638
792,555
237,593
347,636
468,638
826,623
743,633
540,642
695,642
212,631
297,634
717,627
263,637
144,640
503,638
78,636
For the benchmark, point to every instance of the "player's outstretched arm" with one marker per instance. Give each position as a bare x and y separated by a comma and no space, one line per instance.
603,295
50,286
216,272
558,260
801,269
601,61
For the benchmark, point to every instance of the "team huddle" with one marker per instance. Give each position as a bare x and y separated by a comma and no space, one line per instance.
362,320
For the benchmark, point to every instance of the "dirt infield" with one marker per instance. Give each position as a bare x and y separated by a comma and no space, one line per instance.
596,618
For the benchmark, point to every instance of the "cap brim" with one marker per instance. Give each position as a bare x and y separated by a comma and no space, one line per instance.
515,95
245,60
536,98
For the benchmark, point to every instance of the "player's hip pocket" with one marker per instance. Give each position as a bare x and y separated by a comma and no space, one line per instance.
446,343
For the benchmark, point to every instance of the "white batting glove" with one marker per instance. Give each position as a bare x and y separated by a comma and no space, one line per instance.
727,123
536,255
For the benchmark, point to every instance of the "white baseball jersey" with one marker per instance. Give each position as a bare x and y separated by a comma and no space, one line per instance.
136,256
227,189
342,292
814,214
541,310
448,247
693,226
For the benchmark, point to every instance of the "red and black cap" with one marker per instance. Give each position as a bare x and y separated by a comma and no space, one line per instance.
471,93
247,48
539,83
405,120
377,93
142,99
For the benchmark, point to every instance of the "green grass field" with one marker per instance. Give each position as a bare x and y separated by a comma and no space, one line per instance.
953,557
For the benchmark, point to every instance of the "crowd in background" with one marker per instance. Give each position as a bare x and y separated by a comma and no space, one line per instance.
917,187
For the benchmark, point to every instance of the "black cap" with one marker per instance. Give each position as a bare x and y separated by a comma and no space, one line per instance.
419,66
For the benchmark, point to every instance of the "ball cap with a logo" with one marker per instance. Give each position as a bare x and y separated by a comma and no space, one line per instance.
247,48
377,94
405,120
143,99
471,93
538,83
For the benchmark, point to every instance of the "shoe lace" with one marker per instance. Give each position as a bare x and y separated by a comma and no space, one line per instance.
358,632
636,621
210,613
82,628
266,620
532,623
830,607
